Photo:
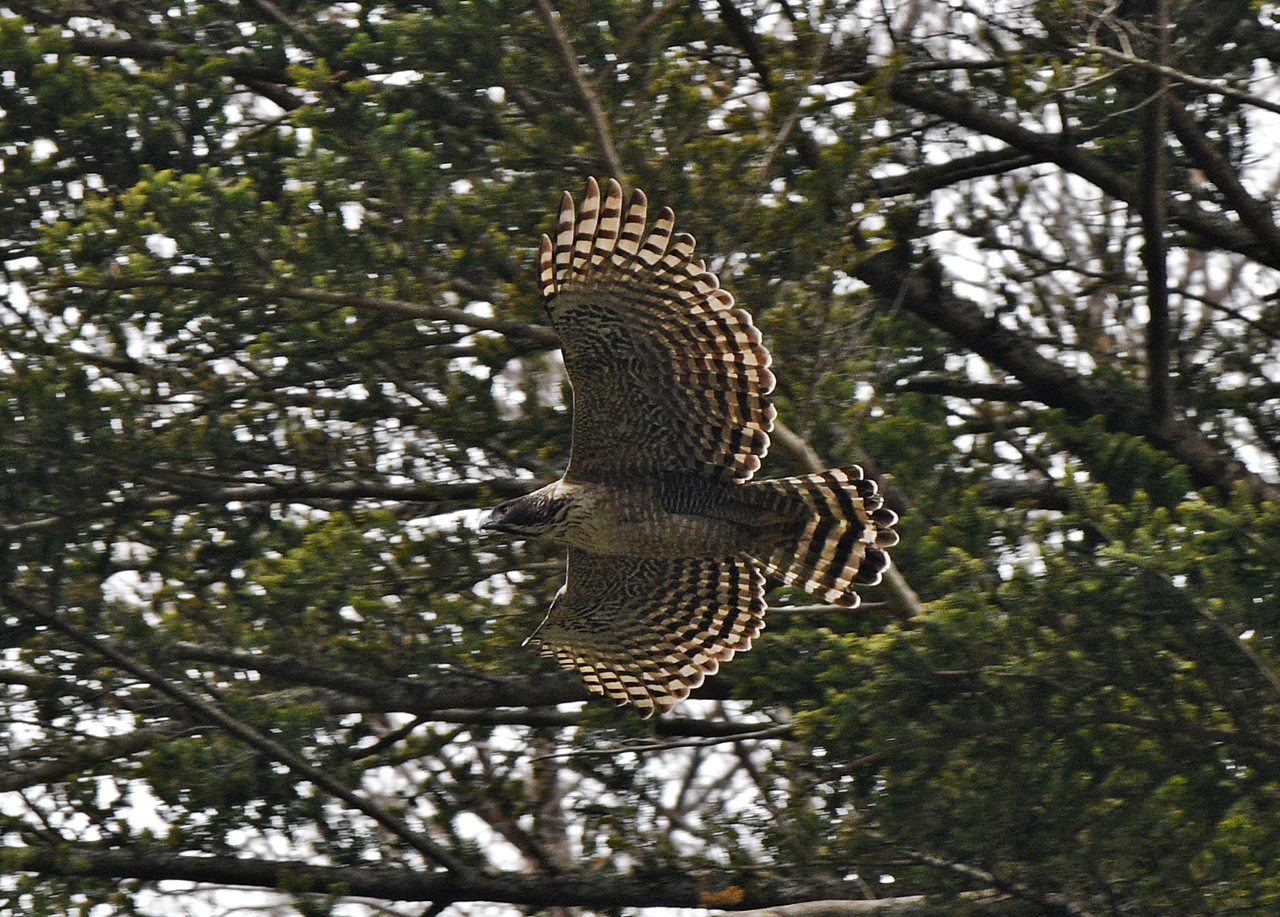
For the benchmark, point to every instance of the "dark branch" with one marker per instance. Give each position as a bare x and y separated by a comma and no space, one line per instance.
675,888
964,388
209,712
266,82
1151,207
229,287
1006,493
1061,150
933,176
890,276
441,497
441,692
590,101
68,757
1254,214
454,695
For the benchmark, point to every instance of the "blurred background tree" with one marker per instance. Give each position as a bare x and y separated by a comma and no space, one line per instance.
270,334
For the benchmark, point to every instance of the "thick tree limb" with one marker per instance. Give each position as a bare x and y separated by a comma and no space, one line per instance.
1063,151
890,276
745,35
1254,214
441,496
1151,209
599,891
933,176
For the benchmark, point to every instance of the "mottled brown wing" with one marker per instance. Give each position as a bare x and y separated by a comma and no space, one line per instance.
646,631
667,374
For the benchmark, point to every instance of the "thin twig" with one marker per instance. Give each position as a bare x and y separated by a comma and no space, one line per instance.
633,39
771,732
228,287
590,101
825,609
1171,73
212,713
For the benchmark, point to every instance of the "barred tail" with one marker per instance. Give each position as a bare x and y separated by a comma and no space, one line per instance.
839,537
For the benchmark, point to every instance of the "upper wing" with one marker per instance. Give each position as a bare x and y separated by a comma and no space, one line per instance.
646,631
667,374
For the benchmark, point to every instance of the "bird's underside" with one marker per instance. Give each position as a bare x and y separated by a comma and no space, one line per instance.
669,538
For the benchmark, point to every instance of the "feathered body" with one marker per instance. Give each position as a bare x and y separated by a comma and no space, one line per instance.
669,538
671,515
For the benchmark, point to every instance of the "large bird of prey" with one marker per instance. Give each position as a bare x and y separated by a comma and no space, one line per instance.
669,539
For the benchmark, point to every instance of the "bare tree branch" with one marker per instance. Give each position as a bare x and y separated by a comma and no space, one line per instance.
933,176
964,388
633,38
600,891
905,904
1063,151
230,287
70,757
274,14
1042,493
1151,181
741,29
1253,213
590,101
266,82
1169,73
437,497
889,275
444,691
215,715
1051,903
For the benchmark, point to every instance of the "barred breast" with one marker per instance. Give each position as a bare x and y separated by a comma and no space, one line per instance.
675,516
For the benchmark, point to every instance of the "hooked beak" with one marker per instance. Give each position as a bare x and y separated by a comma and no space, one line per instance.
490,524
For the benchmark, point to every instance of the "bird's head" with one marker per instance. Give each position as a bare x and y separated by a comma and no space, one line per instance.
542,512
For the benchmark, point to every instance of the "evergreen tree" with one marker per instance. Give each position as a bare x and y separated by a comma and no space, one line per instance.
270,335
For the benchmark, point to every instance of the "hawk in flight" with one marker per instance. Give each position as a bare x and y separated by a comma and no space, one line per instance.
669,539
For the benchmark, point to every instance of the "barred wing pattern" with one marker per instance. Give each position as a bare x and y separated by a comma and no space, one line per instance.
671,419
646,631
667,374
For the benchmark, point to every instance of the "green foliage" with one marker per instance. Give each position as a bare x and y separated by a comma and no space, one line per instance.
1102,722
271,337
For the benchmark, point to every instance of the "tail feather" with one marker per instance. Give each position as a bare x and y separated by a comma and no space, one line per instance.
838,537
